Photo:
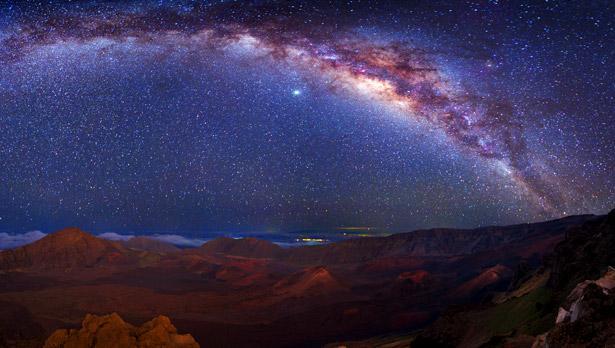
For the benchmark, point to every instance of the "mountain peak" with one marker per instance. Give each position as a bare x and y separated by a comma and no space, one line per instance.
64,249
310,281
69,234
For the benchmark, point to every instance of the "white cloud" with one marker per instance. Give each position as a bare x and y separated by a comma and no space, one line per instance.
115,236
174,239
9,241
179,240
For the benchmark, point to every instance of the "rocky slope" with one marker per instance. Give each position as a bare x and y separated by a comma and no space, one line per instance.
557,299
110,331
585,253
587,318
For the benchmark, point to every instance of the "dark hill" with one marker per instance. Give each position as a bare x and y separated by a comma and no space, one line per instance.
67,248
150,244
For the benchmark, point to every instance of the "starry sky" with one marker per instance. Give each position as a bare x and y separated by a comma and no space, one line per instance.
195,117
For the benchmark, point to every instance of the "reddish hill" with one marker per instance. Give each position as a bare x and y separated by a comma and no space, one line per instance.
309,282
68,248
149,244
246,247
241,271
489,277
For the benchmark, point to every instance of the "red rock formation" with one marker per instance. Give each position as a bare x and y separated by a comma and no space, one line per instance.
110,331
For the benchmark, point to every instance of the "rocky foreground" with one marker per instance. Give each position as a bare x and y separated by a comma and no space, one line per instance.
587,318
110,331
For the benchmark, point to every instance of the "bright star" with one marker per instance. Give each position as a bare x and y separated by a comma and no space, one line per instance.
296,92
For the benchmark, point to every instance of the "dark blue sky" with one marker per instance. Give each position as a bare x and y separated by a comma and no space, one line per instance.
186,116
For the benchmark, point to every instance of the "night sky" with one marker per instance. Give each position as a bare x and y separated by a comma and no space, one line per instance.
192,116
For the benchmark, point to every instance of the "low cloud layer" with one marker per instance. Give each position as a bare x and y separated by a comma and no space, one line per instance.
115,236
179,240
174,239
9,241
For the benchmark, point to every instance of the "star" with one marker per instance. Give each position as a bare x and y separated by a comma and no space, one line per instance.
149,115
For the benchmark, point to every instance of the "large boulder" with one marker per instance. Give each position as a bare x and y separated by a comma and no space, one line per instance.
109,331
587,319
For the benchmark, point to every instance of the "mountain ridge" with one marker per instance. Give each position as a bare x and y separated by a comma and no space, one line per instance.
88,250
